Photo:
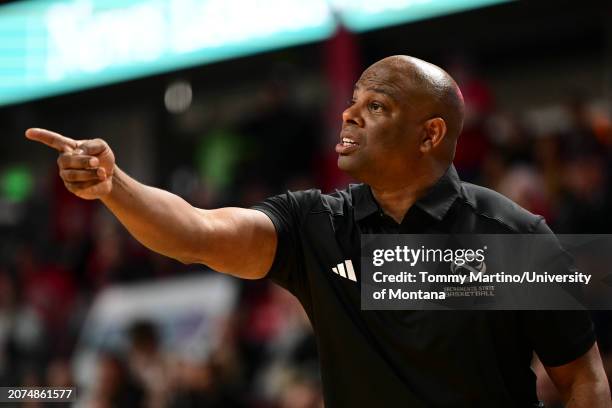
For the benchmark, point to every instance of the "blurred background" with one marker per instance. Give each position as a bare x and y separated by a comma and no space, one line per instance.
229,102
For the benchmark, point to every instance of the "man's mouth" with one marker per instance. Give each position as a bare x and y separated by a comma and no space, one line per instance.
346,141
346,146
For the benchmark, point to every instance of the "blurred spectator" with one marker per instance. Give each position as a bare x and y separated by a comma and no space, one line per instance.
579,137
585,202
115,387
525,186
21,334
49,288
280,126
115,256
59,373
301,393
196,384
147,363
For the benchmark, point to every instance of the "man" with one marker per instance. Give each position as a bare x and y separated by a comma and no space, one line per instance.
398,137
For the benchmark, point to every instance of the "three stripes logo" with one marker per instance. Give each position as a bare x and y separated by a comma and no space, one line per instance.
345,269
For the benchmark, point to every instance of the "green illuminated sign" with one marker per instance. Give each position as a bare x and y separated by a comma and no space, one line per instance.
49,47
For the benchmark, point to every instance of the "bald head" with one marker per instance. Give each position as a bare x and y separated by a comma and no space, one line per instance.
427,85
404,119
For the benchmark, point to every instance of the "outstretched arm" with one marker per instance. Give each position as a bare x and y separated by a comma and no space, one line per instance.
237,241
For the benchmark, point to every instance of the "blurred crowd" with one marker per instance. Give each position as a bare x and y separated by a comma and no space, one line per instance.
64,251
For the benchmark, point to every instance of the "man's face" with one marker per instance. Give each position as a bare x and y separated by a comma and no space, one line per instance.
379,141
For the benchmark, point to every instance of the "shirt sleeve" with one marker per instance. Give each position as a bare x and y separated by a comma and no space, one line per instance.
558,336
288,212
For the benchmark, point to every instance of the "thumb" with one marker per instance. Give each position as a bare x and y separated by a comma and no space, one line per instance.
93,147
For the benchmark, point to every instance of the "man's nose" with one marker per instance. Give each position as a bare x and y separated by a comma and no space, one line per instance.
351,116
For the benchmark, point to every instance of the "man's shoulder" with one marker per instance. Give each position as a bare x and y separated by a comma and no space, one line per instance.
334,203
315,201
493,207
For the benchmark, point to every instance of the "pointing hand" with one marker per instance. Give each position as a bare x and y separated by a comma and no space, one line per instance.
85,166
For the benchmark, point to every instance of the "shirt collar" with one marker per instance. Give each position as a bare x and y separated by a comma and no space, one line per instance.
436,202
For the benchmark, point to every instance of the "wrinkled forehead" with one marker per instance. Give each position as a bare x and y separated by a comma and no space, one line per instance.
388,79
381,75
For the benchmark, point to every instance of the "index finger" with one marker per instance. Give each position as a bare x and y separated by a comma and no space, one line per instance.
51,139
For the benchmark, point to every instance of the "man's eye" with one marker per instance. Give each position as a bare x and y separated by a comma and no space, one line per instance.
350,102
376,107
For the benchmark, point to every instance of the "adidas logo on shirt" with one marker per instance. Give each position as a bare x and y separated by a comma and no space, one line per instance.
345,269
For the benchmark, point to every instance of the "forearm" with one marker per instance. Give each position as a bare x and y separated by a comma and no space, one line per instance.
238,241
162,221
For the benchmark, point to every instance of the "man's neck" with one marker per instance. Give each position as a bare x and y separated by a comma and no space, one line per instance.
395,201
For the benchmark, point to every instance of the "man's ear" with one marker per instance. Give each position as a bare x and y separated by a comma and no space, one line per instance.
434,131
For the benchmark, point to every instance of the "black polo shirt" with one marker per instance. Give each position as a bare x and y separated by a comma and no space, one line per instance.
413,358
